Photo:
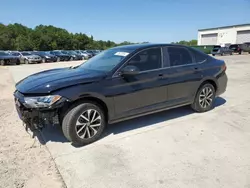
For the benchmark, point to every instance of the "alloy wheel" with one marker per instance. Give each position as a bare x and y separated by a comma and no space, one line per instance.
206,97
2,62
88,123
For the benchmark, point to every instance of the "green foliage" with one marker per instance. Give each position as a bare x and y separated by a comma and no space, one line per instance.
187,43
43,37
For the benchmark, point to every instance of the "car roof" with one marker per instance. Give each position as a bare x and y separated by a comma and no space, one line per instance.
145,45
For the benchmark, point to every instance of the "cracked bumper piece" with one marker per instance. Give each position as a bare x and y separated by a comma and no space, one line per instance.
36,117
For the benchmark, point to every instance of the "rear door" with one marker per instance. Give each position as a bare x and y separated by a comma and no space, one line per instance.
183,75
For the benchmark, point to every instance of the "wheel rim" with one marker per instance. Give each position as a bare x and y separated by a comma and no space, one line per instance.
2,62
88,124
206,97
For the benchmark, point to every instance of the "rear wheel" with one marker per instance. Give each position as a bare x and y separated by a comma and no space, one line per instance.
83,123
204,99
43,60
2,62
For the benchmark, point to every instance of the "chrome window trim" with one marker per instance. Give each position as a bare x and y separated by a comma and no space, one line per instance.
162,68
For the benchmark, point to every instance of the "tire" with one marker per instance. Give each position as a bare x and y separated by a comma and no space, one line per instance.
26,61
197,105
240,53
18,62
74,115
71,58
2,62
57,59
43,60
213,54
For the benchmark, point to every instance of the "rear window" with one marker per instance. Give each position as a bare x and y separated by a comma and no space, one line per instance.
199,56
233,46
217,47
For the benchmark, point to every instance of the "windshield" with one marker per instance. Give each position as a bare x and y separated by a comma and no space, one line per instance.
106,60
71,52
57,53
25,53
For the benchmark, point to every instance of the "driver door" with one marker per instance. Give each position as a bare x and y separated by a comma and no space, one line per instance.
142,92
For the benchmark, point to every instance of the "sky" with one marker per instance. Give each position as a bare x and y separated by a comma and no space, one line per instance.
128,20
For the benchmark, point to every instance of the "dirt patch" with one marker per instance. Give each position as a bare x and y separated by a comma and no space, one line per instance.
24,162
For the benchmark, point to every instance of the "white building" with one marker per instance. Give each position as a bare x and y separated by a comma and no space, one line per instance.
235,34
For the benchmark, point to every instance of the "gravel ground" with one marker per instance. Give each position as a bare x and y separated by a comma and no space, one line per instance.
24,162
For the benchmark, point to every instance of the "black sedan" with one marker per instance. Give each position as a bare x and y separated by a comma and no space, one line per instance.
123,83
60,56
73,55
46,56
218,50
7,59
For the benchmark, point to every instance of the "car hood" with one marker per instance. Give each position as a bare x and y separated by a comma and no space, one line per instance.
63,55
32,56
54,79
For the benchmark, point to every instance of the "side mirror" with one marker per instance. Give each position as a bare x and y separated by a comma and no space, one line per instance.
130,70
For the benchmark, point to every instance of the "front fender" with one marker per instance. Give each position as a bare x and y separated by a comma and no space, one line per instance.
78,92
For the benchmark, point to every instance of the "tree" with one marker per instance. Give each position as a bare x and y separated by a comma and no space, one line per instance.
47,37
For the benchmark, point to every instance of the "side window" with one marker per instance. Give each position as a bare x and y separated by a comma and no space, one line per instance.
199,56
179,56
147,59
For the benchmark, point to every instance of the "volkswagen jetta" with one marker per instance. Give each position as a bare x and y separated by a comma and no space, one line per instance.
118,84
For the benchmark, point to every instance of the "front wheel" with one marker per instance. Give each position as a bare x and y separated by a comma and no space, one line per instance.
84,123
43,60
71,59
204,99
26,61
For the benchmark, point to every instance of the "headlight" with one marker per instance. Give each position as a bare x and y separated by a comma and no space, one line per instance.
47,56
41,102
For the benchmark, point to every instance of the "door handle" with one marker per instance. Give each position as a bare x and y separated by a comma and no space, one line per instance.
196,69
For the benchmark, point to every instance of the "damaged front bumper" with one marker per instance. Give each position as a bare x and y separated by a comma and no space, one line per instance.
36,118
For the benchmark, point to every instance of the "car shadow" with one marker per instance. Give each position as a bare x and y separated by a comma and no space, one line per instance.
54,133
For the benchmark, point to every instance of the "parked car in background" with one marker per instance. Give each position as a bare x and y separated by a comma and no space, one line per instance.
46,57
246,47
84,54
27,57
218,50
236,48
123,83
90,53
7,59
73,54
60,56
